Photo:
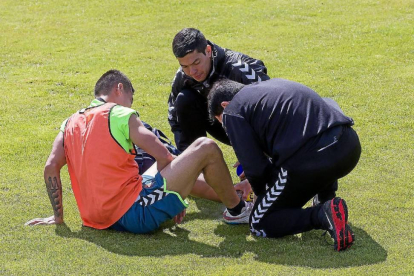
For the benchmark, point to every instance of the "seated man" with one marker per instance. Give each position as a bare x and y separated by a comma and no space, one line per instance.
201,64
292,145
97,144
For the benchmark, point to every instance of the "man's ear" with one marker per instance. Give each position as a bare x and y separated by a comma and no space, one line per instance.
118,89
224,104
208,50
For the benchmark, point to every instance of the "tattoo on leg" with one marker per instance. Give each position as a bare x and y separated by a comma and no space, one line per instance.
54,190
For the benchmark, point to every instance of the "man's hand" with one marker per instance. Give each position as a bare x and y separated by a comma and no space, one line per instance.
179,218
242,176
43,221
244,187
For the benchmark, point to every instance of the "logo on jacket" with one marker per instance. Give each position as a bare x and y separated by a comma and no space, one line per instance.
248,72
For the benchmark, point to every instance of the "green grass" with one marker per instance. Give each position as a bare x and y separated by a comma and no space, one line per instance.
360,53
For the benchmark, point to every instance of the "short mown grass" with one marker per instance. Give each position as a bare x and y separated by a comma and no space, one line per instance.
359,53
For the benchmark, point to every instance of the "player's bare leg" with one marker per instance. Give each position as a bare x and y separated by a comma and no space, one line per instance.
203,156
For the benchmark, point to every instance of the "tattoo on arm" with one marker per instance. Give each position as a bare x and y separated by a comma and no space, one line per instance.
54,190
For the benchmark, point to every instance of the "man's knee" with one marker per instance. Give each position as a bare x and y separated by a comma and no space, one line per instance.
186,99
266,229
207,146
205,142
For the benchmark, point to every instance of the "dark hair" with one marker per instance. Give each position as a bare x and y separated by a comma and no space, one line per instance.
222,91
110,79
187,40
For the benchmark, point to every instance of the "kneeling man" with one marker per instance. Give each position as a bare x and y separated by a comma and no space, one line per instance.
293,145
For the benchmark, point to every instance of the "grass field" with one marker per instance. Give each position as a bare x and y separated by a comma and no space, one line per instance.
360,53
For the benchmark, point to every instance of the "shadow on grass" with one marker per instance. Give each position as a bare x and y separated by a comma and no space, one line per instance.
308,249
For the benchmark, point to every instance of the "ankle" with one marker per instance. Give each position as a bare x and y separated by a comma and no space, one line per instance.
236,210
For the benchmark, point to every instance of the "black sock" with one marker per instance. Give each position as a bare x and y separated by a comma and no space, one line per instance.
235,211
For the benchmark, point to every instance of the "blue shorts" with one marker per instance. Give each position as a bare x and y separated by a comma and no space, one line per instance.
154,205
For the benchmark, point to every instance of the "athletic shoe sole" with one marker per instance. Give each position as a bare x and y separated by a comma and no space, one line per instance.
340,231
231,220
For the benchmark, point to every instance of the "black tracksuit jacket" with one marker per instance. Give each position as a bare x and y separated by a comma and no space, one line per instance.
273,119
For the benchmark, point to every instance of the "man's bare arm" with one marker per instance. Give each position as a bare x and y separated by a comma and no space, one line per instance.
54,190
53,183
146,140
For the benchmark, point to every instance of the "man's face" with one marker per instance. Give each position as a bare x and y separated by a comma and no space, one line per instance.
197,65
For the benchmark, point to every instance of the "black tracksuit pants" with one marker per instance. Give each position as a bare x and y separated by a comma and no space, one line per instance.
313,169
193,119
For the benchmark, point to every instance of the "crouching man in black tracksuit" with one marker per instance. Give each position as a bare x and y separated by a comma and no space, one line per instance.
292,145
201,64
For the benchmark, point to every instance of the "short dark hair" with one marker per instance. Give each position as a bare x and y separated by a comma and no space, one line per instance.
110,79
187,40
223,90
